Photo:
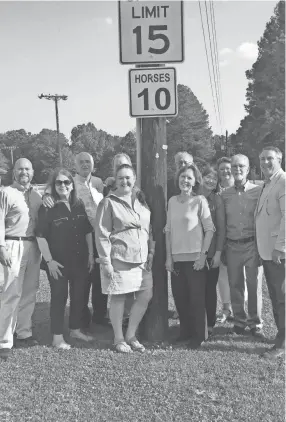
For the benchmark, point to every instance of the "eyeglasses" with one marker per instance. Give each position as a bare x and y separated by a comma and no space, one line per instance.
62,182
238,166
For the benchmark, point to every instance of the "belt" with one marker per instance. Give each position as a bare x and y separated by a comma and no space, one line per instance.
245,240
30,238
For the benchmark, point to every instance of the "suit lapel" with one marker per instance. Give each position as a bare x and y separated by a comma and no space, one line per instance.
271,186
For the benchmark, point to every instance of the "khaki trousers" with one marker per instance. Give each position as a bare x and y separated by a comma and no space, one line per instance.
18,298
244,258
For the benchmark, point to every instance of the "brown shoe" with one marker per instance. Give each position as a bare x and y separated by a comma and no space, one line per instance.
274,353
26,342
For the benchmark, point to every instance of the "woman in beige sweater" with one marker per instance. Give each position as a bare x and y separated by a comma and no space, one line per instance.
189,232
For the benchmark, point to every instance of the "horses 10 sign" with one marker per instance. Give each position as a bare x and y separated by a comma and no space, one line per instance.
151,31
153,92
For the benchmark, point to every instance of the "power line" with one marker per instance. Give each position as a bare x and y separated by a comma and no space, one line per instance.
213,66
214,104
217,60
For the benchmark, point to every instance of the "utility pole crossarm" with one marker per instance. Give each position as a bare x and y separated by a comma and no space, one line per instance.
56,98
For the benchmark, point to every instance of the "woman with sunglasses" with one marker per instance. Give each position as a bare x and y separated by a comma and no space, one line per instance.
209,186
189,231
65,240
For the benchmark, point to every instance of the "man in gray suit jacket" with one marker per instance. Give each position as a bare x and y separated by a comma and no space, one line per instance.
270,235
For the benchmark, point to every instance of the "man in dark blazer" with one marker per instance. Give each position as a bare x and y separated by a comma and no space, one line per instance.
270,236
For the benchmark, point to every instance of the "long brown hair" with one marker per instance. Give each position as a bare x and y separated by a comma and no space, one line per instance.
73,199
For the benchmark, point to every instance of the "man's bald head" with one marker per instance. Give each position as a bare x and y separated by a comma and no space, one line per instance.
23,171
84,164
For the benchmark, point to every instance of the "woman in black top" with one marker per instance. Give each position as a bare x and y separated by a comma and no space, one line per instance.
64,237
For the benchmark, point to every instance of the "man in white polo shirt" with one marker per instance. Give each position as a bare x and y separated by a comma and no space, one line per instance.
20,257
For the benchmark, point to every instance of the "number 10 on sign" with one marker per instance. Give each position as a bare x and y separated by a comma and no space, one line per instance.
153,92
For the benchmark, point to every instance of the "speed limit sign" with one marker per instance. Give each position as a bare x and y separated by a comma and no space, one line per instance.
153,92
151,31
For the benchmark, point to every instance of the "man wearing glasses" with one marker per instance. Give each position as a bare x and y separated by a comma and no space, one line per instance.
240,202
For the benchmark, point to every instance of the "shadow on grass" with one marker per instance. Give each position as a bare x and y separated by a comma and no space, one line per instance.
224,340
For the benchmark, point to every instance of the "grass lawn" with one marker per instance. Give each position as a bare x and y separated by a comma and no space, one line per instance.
226,380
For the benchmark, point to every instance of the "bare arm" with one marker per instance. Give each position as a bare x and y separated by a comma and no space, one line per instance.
53,266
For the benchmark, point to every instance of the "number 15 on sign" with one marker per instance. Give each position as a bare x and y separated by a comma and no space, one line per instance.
151,31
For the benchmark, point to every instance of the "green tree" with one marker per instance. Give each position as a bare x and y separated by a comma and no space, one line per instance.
189,130
265,95
87,138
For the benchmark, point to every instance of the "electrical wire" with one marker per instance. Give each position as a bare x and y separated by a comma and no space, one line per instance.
211,83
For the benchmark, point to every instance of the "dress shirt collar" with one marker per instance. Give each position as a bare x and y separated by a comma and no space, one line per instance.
21,188
83,180
241,188
266,182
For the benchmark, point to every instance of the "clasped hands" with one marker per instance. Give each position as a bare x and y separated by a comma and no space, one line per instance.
199,264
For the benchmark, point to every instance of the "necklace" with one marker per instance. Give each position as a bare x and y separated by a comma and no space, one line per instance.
183,199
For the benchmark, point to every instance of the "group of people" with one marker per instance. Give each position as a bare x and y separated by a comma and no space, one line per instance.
221,230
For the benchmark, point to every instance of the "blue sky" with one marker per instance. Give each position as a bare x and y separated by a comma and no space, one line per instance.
72,48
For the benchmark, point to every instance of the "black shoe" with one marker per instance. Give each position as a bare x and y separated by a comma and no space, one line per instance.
239,330
258,333
5,353
274,353
26,342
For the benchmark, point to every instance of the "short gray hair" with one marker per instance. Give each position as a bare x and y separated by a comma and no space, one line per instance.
274,149
240,156
181,154
77,157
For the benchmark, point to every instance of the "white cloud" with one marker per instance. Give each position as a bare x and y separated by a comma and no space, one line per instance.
225,51
223,63
248,50
109,20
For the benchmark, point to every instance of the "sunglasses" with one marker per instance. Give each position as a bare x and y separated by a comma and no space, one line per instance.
63,182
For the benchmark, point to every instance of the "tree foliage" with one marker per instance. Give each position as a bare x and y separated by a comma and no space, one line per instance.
264,123
189,130
40,149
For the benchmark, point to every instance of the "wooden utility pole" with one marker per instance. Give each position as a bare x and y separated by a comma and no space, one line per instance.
56,99
226,144
154,186
148,44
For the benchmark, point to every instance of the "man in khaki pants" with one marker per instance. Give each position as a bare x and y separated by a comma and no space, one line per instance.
242,256
20,257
